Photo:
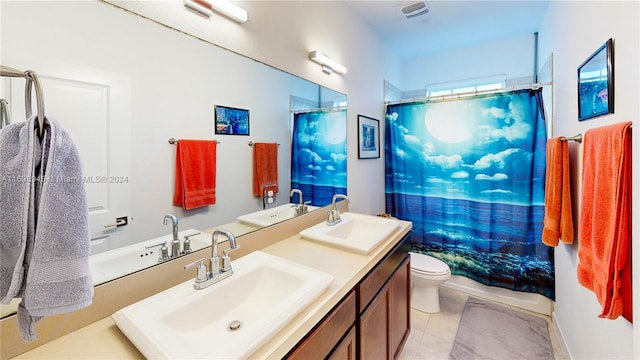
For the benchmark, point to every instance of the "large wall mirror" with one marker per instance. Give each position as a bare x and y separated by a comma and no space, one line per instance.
122,86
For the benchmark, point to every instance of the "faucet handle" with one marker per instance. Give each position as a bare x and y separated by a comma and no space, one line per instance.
226,260
187,243
334,217
202,269
164,251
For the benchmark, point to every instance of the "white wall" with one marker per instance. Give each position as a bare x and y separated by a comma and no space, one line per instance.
513,58
573,30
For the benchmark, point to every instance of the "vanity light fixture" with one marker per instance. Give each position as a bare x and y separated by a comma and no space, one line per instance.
224,7
231,10
199,6
328,65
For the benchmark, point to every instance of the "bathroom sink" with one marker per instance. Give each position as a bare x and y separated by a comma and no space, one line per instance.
357,233
264,293
271,216
112,264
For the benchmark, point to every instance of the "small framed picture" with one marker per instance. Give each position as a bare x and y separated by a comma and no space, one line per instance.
595,83
231,121
368,138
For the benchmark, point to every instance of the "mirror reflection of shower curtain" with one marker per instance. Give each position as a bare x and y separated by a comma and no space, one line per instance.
319,155
469,173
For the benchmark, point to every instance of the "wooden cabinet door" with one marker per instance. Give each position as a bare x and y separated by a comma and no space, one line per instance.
374,328
319,344
399,307
346,350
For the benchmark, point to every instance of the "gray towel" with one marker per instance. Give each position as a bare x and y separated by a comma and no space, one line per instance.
45,240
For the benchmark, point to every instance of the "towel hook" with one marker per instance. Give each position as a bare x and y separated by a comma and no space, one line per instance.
5,117
31,78
34,80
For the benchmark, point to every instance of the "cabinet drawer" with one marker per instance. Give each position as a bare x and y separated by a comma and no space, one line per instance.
376,279
324,338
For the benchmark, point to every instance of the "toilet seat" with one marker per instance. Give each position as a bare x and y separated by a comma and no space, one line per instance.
428,265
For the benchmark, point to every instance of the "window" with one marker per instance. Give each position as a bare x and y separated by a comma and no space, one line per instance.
467,86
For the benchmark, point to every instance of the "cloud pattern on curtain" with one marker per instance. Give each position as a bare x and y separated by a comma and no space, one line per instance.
469,174
319,155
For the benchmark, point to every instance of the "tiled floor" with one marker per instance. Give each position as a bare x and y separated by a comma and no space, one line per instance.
432,335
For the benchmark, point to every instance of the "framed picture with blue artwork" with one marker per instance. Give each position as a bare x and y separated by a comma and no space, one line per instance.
368,138
595,83
231,121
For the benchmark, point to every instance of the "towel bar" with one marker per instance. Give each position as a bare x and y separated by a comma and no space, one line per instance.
251,143
174,141
576,138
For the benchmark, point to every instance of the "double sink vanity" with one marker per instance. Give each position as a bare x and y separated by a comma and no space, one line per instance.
299,289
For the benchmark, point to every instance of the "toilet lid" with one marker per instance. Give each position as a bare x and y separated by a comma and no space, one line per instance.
428,264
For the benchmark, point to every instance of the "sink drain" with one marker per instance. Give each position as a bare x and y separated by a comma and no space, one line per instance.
234,325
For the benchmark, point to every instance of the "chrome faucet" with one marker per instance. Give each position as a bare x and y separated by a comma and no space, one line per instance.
217,271
301,207
163,255
175,243
334,213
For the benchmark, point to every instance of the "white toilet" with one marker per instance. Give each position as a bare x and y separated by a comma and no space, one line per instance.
427,274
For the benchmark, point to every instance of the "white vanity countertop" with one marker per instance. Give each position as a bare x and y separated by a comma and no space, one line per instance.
103,340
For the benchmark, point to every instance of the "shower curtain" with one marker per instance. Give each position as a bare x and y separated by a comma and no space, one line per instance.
319,155
469,173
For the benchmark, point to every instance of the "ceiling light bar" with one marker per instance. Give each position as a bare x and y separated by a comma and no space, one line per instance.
328,64
230,10
223,7
199,6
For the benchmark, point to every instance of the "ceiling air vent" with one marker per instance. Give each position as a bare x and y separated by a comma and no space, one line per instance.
415,8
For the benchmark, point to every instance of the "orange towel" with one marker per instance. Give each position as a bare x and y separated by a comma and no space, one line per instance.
195,184
265,167
605,219
558,217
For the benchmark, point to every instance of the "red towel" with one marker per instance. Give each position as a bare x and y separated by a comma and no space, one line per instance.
558,217
265,167
605,219
195,184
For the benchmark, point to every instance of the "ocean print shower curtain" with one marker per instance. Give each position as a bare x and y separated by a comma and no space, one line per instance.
319,155
469,173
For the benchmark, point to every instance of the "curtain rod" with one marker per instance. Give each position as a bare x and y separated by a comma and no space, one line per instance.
533,86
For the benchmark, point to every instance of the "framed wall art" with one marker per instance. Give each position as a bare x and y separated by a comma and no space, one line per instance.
231,121
595,83
368,138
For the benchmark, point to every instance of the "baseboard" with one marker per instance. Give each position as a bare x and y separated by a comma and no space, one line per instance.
561,340
527,301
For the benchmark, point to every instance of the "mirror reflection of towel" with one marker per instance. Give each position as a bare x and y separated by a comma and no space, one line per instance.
265,167
195,184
